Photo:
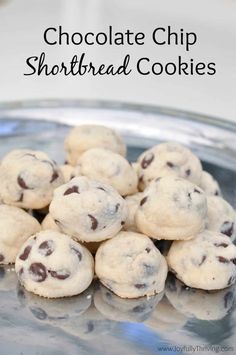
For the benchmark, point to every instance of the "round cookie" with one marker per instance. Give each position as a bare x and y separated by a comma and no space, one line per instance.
131,266
110,168
16,227
172,208
88,210
124,310
221,217
209,185
85,137
69,172
166,159
52,265
28,179
200,304
207,262
132,202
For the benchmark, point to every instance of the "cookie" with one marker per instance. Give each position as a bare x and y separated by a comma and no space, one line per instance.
52,265
168,159
124,310
132,202
131,266
85,137
172,208
200,304
69,171
110,168
209,185
28,179
49,223
16,227
88,210
221,217
207,262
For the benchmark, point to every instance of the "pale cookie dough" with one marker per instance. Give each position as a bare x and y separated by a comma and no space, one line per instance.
28,179
221,217
52,265
132,205
88,210
16,227
110,168
49,223
207,262
200,304
172,208
124,310
131,266
85,137
209,184
69,172
168,159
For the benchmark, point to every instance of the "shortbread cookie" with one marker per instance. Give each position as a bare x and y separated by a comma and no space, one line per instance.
28,179
209,185
16,227
207,262
110,168
131,266
172,208
168,159
200,304
221,217
132,205
85,137
124,310
69,172
51,264
88,210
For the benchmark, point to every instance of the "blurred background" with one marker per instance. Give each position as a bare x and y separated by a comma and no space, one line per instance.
22,24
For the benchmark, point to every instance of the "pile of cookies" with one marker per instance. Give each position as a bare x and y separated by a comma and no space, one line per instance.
99,204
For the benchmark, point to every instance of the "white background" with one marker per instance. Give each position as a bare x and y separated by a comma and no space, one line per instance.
21,35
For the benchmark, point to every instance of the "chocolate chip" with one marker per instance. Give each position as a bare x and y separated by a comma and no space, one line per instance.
71,190
147,160
39,313
227,228
143,201
117,207
171,165
231,280
21,271
197,191
60,275
21,183
1,258
233,261
203,259
2,272
122,223
139,286
216,193
228,298
148,250
38,272
108,295
77,252
20,199
55,175
222,259
224,245
46,248
188,172
94,222
139,309
25,253
101,188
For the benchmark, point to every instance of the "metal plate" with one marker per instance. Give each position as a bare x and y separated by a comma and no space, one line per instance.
181,321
